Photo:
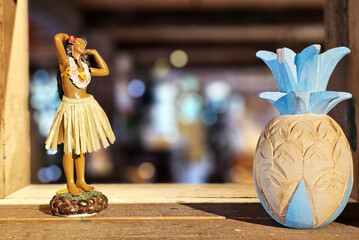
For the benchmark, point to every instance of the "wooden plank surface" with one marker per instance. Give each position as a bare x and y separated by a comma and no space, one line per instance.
170,229
148,211
144,193
156,211
196,221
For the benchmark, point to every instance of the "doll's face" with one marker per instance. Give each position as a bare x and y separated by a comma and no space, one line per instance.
79,46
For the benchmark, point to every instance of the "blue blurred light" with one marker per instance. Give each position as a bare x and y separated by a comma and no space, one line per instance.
220,106
189,83
209,116
189,105
55,172
41,77
51,152
136,88
43,176
49,174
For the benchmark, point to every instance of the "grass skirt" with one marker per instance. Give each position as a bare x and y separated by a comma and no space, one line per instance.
81,125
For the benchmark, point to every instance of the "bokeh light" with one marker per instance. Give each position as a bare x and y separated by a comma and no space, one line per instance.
49,174
173,137
217,90
136,88
217,95
189,107
42,176
44,99
163,122
189,83
51,152
41,76
146,170
162,67
209,116
54,172
179,58
164,97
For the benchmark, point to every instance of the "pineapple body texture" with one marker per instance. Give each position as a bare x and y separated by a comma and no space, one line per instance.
303,163
303,169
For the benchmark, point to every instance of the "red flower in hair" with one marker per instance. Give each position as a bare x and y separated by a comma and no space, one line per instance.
72,39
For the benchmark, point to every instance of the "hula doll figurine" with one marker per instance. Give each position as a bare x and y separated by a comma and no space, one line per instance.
79,123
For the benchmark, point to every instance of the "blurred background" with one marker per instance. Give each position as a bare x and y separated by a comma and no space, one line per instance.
182,94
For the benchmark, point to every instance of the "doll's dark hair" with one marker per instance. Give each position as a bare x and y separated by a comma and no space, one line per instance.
84,58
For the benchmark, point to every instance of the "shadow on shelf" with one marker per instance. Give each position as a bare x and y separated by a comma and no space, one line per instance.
255,213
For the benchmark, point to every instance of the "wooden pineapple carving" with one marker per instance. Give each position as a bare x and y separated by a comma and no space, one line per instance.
303,163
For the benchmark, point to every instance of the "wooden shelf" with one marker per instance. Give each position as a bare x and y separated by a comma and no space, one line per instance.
145,193
217,211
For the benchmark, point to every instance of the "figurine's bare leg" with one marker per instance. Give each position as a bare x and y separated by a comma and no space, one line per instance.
80,173
68,163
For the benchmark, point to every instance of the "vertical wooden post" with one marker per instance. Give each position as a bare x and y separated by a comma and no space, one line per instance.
353,25
7,17
342,29
14,92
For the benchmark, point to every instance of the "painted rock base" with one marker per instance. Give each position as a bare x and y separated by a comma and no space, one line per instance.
88,202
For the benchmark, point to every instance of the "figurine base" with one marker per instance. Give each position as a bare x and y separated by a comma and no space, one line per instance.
87,204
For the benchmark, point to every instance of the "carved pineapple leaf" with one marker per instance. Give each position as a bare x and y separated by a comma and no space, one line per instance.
322,134
337,150
309,150
316,125
265,182
324,151
273,125
323,178
265,167
339,179
287,157
265,133
293,125
277,144
337,155
283,133
329,177
262,155
277,167
273,178
277,154
297,135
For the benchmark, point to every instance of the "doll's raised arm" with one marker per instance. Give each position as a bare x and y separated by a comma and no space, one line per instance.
103,69
60,50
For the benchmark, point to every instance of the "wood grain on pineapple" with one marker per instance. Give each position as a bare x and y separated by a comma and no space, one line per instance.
310,147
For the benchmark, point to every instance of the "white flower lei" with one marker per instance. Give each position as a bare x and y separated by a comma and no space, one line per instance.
76,80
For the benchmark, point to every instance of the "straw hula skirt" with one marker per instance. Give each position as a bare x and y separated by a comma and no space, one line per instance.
81,125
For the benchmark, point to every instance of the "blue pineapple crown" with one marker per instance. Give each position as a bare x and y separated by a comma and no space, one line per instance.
302,79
